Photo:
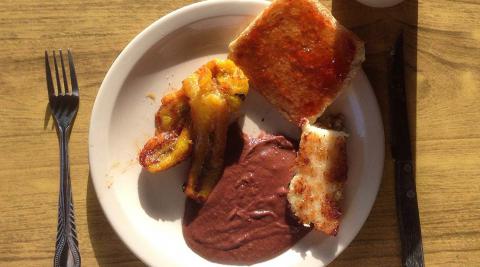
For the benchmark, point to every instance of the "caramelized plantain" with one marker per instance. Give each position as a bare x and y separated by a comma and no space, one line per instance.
172,142
201,110
173,114
216,92
165,150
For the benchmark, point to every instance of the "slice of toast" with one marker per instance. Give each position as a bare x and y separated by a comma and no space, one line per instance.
321,172
298,57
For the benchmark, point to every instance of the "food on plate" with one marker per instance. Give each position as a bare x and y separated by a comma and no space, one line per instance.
332,122
172,141
320,175
246,218
197,115
251,198
298,57
215,91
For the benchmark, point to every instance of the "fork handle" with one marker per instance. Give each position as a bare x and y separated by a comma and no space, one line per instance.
66,247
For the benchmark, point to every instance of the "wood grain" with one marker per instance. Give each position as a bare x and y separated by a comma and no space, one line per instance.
443,48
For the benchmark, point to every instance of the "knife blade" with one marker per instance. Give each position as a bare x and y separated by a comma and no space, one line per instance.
405,190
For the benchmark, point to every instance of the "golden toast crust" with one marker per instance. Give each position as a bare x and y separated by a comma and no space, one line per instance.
298,57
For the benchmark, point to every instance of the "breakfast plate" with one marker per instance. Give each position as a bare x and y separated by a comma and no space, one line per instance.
146,209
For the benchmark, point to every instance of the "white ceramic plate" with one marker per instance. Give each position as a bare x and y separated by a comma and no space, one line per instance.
144,209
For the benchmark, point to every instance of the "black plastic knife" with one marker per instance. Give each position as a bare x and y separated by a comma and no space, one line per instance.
405,192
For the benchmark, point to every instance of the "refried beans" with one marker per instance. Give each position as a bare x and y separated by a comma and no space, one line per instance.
246,218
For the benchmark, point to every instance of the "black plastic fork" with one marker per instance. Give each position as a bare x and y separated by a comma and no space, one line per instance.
64,107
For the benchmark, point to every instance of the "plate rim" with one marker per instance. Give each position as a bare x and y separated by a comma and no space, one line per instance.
126,61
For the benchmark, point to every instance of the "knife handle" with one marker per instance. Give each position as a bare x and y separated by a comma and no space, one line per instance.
408,216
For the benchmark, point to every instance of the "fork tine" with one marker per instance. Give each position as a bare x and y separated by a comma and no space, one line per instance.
73,76
48,75
59,87
65,83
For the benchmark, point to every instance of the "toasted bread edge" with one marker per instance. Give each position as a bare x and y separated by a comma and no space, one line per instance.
359,56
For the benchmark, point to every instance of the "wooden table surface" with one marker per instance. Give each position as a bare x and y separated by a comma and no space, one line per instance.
443,55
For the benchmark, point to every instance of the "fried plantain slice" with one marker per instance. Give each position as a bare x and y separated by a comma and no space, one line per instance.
200,111
172,142
173,114
216,92
166,150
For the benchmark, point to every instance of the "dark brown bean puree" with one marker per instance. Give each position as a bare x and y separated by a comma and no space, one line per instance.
246,218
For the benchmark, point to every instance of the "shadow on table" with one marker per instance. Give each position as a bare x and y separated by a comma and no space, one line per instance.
109,250
380,28
378,242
